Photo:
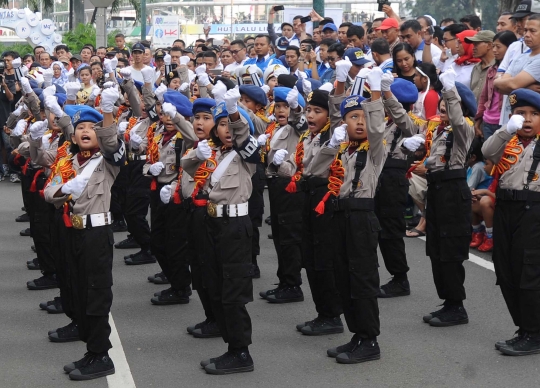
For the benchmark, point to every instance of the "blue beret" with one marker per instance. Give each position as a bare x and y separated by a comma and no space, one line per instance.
61,98
255,93
181,103
352,103
220,110
280,95
203,105
524,97
315,84
82,113
467,98
59,89
138,85
405,91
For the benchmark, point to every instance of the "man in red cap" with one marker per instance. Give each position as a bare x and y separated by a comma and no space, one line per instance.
390,31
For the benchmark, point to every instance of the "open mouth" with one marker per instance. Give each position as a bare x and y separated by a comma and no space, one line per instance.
85,138
527,128
311,125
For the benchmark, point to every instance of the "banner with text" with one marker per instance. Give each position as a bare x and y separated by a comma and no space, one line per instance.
166,30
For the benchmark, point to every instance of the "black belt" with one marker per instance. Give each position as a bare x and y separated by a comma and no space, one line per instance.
517,195
344,204
396,163
445,175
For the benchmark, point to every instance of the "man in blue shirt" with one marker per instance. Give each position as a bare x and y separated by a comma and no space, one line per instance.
380,51
262,49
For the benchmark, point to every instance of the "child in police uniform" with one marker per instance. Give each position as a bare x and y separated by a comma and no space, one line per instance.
83,180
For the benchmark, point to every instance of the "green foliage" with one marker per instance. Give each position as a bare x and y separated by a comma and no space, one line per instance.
81,35
110,37
136,4
21,48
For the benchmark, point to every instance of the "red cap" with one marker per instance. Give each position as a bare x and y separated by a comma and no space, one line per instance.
388,23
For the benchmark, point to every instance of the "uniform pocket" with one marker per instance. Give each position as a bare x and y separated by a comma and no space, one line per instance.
364,284
530,274
237,283
290,228
99,295
231,178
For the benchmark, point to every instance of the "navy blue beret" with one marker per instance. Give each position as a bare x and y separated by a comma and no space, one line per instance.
405,91
352,103
280,95
524,97
82,113
255,93
467,98
180,102
138,85
203,105
220,110
315,84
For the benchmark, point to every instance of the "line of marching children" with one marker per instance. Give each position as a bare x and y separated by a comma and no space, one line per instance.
335,165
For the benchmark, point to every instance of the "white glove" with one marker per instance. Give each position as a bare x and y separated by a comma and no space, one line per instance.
292,98
49,91
16,63
374,79
327,86
108,98
167,59
184,87
448,79
387,80
24,71
219,91
262,139
108,84
47,76
184,60
342,70
203,79
135,141
200,69
122,128
413,143
160,91
363,72
114,64
19,128
148,74
302,75
169,109
26,85
76,186
107,66
52,104
165,194
18,111
96,91
155,169
306,85
514,124
37,129
279,157
265,88
72,88
203,150
231,100
125,73
338,136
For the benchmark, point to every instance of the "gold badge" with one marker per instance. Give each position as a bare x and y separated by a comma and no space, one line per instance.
77,221
309,97
535,177
360,184
353,101
513,99
359,54
211,208
218,109
171,74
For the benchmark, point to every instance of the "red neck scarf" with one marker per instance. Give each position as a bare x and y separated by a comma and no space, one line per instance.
467,57
168,135
83,156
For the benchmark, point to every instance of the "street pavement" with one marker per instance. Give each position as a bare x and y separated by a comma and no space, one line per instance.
160,353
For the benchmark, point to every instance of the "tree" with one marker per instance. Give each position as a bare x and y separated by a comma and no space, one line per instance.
508,5
136,4
83,34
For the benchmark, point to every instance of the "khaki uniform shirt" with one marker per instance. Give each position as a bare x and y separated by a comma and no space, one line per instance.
397,113
284,138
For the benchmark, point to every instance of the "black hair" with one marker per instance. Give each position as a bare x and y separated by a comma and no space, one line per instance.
210,54
378,20
239,42
175,49
476,150
512,20
90,46
473,20
12,54
35,48
534,16
248,38
267,37
438,33
293,48
448,20
412,24
346,24
505,37
325,21
63,47
28,56
96,63
431,72
338,48
380,46
199,55
297,17
356,30
53,58
100,47
200,41
181,41
327,42
309,41
454,29
119,36
124,61
426,19
402,47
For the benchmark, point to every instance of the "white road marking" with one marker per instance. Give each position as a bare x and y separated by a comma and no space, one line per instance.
475,259
123,377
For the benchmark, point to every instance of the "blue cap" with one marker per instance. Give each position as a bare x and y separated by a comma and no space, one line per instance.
331,26
203,105
61,98
356,56
82,113
220,110
138,47
405,91
524,97
280,95
315,84
138,85
352,103
180,102
282,43
255,93
467,98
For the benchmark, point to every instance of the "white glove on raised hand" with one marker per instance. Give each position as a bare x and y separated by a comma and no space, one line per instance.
363,72
203,150
72,88
148,74
107,66
262,139
47,76
125,73
19,128
135,140
279,157
184,60
219,91
122,127
114,64
167,59
96,91
108,84
18,111
387,80
306,85
203,79
169,109
109,97
16,63
448,79
183,87
49,91
76,186
231,100
155,169
165,194
51,103
514,124
265,89
338,136
413,143
292,98
25,84
327,86
374,79
342,70
37,129
160,91
200,69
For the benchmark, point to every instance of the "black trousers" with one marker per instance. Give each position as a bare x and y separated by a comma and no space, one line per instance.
40,228
136,204
390,204
318,251
256,209
228,272
118,194
356,269
448,231
26,182
286,224
90,263
516,255
158,223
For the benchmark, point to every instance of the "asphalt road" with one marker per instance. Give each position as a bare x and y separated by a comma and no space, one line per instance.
161,354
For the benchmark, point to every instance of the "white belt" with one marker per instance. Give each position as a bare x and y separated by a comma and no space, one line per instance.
231,210
98,219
